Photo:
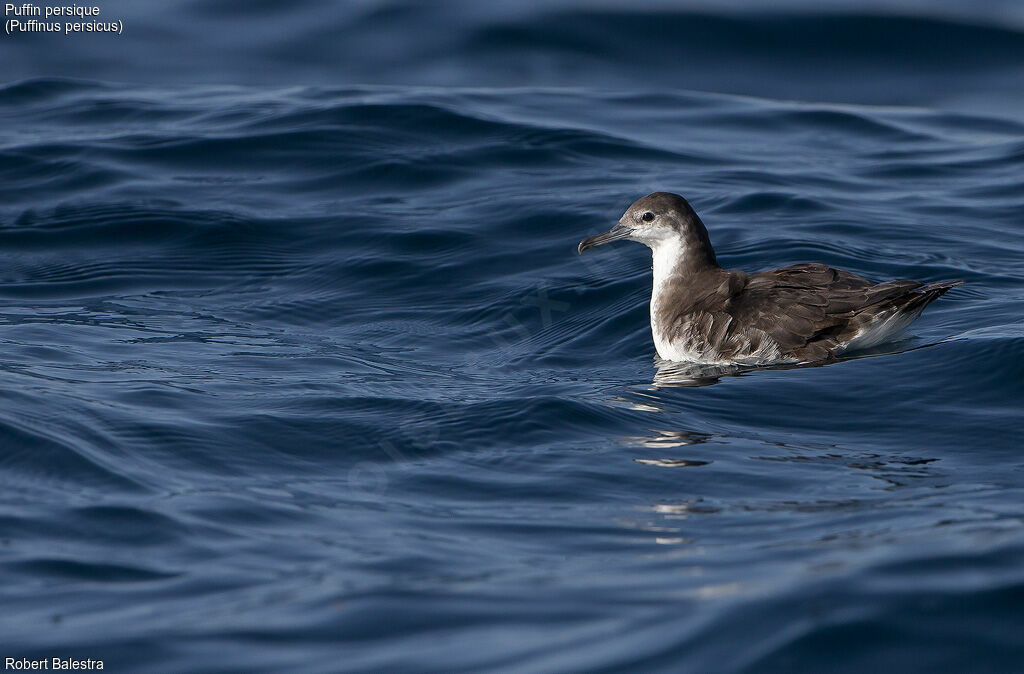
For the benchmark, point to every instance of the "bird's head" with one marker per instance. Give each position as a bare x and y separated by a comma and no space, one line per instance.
657,219
651,220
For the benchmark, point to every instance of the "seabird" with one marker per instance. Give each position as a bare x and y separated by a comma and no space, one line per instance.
798,314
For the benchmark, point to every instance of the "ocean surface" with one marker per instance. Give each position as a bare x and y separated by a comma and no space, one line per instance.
300,370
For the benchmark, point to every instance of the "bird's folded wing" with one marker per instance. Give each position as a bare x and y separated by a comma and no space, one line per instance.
809,308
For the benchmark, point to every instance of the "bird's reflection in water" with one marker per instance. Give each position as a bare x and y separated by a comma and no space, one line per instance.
665,439
683,448
672,463
671,374
670,440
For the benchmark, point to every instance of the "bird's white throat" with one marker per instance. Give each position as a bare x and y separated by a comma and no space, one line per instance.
667,257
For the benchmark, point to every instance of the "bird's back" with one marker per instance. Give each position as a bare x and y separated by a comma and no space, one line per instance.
804,312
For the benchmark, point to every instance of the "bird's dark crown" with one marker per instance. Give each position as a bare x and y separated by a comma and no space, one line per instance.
674,209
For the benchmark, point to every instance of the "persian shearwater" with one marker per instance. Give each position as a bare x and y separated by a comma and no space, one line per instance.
798,314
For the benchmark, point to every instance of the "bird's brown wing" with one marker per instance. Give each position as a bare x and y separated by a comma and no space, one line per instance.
809,309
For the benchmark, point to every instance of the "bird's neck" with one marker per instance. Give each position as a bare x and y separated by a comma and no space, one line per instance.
669,259
669,262
674,263
682,255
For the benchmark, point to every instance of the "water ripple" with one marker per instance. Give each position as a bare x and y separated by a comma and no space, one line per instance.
320,365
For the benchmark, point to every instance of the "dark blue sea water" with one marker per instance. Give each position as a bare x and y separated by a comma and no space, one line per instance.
300,371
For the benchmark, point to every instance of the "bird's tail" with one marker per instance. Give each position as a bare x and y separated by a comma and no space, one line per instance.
925,295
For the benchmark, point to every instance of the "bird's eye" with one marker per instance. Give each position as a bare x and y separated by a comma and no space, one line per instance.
647,217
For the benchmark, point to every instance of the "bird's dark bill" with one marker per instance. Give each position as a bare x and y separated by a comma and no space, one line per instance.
614,234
